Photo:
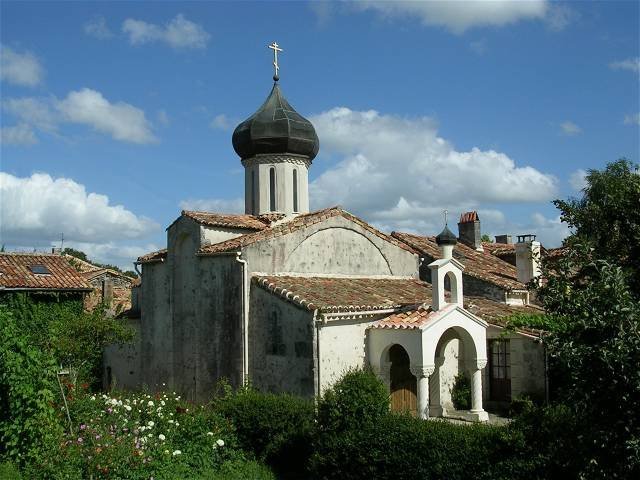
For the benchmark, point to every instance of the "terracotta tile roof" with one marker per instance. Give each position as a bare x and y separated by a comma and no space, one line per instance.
153,256
94,273
15,272
299,222
411,297
346,294
490,311
499,248
482,265
248,222
412,317
80,265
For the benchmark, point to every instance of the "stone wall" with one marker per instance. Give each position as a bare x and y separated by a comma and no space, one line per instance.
281,346
121,363
335,246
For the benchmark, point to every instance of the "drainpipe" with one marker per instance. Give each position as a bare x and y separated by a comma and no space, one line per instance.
245,318
135,267
316,323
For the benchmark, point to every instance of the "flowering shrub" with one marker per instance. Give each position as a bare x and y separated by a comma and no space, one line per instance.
139,435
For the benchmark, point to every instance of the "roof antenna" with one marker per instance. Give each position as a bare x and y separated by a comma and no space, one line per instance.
62,241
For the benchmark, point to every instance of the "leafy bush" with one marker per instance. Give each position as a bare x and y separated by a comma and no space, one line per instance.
28,422
358,399
278,429
461,392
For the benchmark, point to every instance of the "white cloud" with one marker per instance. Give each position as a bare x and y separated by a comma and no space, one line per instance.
235,205
397,172
178,33
632,119
220,122
578,179
458,16
570,129
97,27
20,68
20,134
559,16
121,120
550,231
36,112
36,209
630,64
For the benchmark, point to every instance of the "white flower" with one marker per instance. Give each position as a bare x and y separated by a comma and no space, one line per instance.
150,403
162,402
150,423
177,452
93,397
167,452
113,401
127,408
143,428
210,433
162,437
220,442
170,421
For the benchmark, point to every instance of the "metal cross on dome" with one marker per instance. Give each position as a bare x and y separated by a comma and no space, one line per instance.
445,212
276,48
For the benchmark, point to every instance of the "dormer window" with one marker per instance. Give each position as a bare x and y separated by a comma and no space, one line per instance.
39,269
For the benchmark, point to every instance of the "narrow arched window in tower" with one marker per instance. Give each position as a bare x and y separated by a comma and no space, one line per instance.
253,193
272,189
295,190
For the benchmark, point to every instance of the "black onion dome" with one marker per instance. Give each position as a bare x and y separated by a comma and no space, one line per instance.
276,128
446,237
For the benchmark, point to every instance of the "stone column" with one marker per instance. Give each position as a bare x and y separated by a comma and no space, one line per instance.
435,408
422,374
477,411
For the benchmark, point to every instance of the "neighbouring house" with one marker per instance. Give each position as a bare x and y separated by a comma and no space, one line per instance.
291,299
108,286
41,276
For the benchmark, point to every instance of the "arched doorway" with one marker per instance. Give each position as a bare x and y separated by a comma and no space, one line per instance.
402,382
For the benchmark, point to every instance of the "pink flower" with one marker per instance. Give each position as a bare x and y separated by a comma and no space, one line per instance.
83,426
80,440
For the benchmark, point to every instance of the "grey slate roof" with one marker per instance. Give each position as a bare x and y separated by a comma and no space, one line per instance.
276,128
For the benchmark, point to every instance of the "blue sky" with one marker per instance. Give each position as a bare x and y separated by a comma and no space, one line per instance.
117,115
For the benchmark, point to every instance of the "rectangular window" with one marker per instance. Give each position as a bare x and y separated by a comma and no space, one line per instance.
253,192
275,342
39,270
295,190
272,189
500,370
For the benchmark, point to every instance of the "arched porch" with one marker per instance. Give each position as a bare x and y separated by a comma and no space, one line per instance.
438,346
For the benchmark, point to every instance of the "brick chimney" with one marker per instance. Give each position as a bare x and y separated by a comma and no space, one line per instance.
469,230
527,258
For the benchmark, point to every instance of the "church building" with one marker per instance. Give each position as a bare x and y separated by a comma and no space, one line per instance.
289,299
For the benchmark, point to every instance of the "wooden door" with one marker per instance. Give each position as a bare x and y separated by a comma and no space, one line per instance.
403,383
499,370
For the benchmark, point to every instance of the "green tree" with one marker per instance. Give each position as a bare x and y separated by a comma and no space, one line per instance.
486,238
593,332
607,216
